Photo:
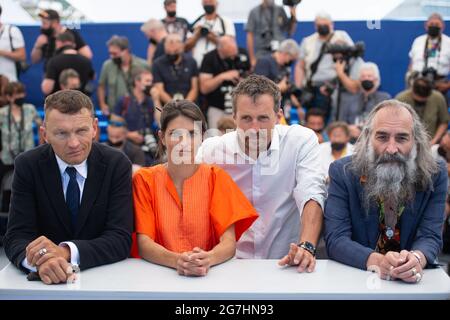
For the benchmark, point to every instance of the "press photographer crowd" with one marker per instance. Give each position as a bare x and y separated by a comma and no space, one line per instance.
323,81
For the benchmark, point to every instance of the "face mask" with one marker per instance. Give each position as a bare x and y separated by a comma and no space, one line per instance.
173,57
353,140
338,146
117,61
153,42
48,32
171,14
118,144
434,31
367,85
147,89
19,102
209,9
442,152
289,64
323,30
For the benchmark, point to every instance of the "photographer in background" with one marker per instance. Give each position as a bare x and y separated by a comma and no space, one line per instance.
220,72
430,106
139,112
45,46
430,54
156,33
67,57
175,73
267,26
207,30
354,108
172,22
12,51
316,68
277,67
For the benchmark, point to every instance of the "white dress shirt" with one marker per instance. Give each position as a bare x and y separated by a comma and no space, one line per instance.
278,184
65,178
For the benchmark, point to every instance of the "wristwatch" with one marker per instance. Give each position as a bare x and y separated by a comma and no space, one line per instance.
308,246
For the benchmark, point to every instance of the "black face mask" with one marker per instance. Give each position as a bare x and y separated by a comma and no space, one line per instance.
442,152
209,9
147,89
367,85
289,64
117,61
19,102
338,146
353,140
172,57
153,42
434,31
323,29
48,32
171,14
117,144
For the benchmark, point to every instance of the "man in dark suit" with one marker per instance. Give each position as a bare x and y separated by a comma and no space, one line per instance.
386,203
71,200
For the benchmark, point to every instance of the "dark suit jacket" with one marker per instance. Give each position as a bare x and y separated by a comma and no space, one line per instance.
351,234
105,219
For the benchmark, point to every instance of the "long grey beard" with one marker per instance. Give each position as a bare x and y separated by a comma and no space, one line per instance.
390,178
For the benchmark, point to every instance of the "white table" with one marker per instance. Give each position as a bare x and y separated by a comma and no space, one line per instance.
235,279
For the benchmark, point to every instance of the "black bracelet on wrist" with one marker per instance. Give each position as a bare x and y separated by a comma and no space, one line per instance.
308,246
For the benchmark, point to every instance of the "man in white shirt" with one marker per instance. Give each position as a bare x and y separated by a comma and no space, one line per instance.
207,30
12,50
318,70
277,169
431,53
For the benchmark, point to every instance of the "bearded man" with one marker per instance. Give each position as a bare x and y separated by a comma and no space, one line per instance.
386,203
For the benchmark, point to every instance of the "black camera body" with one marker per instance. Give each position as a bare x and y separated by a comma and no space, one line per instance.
241,63
204,31
430,73
291,3
346,51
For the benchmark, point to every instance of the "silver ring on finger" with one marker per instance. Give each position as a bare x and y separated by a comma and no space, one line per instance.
414,272
418,277
42,252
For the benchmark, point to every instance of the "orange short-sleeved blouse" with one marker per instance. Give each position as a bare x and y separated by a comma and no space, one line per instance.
211,203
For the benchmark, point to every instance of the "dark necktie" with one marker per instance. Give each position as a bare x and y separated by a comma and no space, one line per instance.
73,195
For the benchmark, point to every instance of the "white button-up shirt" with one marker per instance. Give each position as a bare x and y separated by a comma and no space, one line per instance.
278,184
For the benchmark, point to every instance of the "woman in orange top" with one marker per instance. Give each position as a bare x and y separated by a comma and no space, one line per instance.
188,216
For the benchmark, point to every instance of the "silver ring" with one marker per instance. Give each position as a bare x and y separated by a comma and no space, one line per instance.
418,277
42,252
414,272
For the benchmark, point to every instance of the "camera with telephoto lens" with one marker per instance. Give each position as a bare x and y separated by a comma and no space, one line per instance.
291,3
346,51
303,96
430,74
150,144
